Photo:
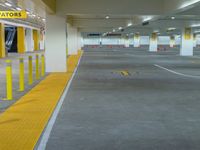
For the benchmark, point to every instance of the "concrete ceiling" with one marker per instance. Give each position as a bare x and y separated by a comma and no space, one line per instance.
89,15
36,9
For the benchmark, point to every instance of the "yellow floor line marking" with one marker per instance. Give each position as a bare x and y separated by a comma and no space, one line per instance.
123,72
23,123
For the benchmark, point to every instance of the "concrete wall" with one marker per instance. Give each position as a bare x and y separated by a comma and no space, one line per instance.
72,40
162,40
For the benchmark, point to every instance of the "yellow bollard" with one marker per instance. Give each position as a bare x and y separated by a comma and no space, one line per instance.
30,70
9,79
21,74
37,72
42,65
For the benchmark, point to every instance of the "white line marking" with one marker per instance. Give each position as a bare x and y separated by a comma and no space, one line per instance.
49,127
177,73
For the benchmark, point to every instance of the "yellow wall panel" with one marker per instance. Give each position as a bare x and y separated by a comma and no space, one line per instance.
2,41
21,39
36,39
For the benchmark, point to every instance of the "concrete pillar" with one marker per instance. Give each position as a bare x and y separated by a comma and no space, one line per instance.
56,43
194,40
127,42
42,40
79,41
2,41
29,40
153,46
72,40
186,42
21,47
172,41
137,40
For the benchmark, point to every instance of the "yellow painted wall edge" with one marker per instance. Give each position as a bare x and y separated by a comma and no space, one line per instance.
36,39
21,40
2,41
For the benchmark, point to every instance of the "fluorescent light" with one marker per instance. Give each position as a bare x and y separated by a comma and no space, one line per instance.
18,8
173,18
188,3
195,25
147,19
8,4
107,17
43,19
120,28
155,31
129,24
197,31
2,4
114,30
171,29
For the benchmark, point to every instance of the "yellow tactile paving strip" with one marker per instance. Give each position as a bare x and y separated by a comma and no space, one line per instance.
23,123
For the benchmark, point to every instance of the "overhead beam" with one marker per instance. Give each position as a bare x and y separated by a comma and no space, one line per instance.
111,23
177,6
112,7
50,5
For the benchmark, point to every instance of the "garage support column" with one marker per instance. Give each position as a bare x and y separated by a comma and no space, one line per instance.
137,40
79,41
21,40
56,43
194,40
29,40
153,46
172,41
72,40
2,41
127,42
187,42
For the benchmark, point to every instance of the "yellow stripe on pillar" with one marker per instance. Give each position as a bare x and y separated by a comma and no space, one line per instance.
36,39
2,41
21,39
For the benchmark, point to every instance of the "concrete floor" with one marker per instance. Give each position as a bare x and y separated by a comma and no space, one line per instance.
152,109
15,68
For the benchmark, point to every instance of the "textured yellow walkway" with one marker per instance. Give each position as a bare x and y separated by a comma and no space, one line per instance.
23,123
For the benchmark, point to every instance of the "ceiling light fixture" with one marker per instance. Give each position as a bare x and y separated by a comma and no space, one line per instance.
195,25
171,29
107,17
156,31
8,4
147,19
120,28
129,24
18,8
173,18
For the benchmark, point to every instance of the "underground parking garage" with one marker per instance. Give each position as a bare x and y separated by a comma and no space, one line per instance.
99,75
